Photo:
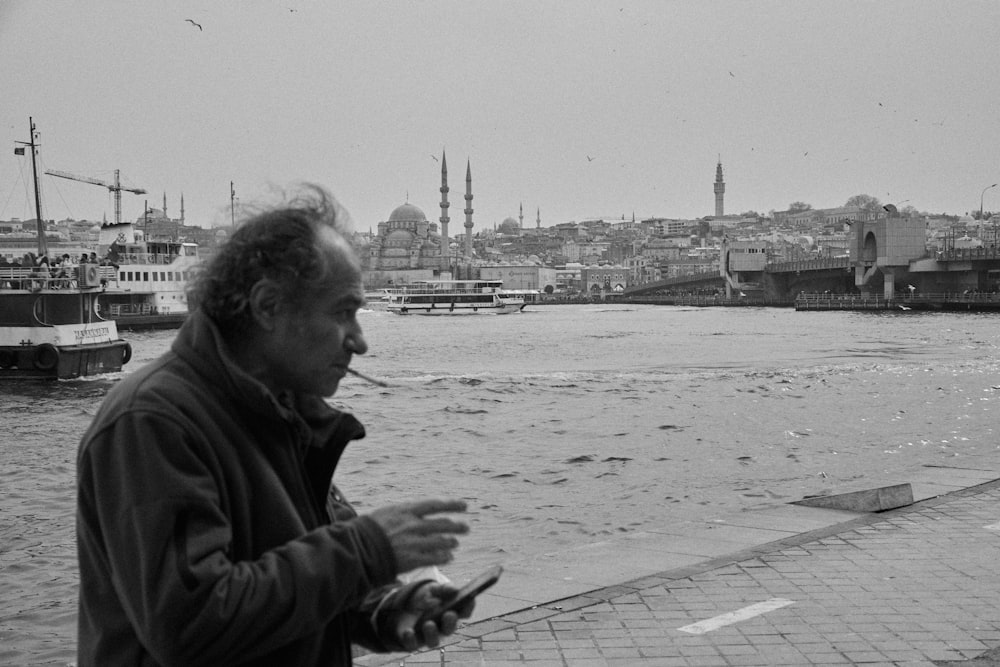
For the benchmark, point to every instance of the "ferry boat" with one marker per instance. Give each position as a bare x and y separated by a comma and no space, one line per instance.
147,290
50,326
453,297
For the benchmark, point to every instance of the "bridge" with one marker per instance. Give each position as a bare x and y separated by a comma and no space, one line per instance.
888,256
778,281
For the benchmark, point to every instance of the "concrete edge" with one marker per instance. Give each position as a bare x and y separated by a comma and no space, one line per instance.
600,595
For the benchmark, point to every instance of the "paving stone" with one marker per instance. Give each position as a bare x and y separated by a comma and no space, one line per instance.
917,585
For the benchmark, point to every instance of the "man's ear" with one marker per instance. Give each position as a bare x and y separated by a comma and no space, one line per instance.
265,303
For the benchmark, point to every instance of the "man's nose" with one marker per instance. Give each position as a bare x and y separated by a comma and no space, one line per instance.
356,343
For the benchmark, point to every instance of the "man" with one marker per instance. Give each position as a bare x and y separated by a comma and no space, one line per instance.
208,528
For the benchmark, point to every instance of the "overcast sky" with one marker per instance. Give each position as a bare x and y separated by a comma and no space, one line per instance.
581,109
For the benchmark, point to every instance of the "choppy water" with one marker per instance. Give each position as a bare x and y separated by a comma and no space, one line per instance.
563,425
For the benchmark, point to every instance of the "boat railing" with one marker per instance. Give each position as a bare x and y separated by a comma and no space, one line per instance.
148,258
37,279
443,289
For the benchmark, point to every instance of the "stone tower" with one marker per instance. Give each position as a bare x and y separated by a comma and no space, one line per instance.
720,190
468,210
445,250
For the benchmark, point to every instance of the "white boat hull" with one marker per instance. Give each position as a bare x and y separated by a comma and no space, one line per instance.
457,309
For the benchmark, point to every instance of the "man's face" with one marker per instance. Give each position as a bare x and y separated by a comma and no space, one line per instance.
314,343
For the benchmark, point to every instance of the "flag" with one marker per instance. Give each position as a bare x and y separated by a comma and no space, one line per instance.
19,150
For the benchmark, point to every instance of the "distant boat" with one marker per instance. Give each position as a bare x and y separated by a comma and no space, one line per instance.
453,297
377,299
148,290
50,325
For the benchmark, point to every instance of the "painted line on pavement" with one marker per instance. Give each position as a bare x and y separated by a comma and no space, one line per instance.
716,622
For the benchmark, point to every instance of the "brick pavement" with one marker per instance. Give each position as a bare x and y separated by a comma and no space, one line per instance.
915,586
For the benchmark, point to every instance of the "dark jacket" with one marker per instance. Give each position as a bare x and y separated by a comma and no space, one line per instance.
202,524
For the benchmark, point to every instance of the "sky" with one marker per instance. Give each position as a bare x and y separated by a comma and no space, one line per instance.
574,109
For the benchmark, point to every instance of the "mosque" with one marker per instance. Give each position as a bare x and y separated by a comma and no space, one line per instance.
409,247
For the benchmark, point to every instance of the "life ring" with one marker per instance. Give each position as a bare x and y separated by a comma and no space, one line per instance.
7,358
126,353
91,277
46,357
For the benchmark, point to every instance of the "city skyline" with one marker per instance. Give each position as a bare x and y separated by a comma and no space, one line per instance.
580,112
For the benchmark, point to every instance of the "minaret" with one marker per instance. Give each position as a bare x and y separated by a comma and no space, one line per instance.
720,189
520,216
182,208
538,218
165,216
445,250
468,210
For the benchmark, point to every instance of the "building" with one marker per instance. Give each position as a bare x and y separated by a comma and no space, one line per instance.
604,278
521,277
406,241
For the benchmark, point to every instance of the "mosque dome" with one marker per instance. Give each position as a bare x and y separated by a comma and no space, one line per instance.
509,226
407,213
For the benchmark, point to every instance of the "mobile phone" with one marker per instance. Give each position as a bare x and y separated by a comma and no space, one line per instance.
465,593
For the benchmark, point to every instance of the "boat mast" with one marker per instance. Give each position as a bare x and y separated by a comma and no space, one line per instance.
43,246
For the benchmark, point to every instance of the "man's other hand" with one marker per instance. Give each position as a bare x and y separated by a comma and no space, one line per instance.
416,540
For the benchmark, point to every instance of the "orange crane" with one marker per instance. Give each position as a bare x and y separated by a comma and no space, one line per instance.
115,187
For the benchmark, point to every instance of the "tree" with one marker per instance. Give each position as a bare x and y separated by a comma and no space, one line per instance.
865,202
798,206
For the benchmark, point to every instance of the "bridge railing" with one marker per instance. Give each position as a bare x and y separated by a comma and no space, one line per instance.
809,265
960,254
898,298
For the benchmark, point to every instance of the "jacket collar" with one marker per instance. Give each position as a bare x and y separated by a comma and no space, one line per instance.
200,344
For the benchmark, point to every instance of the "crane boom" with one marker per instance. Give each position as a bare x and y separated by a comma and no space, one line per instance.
115,187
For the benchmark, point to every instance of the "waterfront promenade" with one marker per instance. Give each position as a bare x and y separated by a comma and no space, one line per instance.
783,585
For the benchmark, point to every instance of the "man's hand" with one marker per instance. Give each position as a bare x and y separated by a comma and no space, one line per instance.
417,541
427,598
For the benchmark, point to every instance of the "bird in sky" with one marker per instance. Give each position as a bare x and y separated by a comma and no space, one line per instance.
434,157
196,25
590,159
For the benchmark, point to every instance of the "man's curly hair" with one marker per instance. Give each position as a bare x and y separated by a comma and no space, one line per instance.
280,244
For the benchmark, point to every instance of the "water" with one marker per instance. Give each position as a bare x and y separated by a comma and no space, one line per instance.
563,425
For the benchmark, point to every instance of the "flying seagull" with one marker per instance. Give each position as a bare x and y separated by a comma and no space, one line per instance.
196,25
590,159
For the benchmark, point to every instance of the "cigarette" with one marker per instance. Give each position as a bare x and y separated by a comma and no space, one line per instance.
368,378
